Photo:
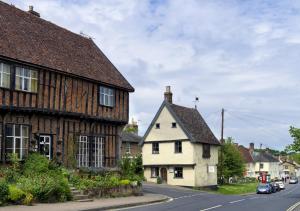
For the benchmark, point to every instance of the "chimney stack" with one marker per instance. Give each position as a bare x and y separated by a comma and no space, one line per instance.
251,147
31,11
168,94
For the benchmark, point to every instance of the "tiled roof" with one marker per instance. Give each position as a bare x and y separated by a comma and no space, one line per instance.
130,137
28,38
194,124
245,154
263,157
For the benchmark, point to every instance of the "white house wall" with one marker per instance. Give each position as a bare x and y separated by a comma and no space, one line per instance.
166,132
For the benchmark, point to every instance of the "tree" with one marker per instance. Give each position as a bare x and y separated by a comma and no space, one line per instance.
232,163
295,134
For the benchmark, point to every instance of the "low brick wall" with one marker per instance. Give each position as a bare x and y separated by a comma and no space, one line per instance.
123,190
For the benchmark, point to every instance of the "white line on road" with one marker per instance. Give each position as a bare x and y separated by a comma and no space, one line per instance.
210,208
253,198
232,202
188,196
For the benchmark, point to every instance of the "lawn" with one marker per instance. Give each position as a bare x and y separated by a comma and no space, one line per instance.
237,188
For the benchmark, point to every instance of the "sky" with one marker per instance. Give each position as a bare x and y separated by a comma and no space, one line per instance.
240,55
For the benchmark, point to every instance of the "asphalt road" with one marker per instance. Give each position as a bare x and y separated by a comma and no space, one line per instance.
185,199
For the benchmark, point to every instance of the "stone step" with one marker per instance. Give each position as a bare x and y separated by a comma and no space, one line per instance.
75,192
85,200
80,197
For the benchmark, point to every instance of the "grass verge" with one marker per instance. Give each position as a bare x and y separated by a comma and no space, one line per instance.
234,189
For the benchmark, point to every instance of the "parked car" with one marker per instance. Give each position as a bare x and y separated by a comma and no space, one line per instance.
273,188
264,188
293,180
281,185
276,186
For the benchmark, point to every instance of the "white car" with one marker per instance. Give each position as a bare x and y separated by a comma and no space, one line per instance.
281,185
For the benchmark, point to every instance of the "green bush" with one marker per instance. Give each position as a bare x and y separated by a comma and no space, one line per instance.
9,174
35,163
159,180
16,195
28,199
3,191
125,182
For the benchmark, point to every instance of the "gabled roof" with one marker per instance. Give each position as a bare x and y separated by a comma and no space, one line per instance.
264,157
130,137
191,121
245,154
27,38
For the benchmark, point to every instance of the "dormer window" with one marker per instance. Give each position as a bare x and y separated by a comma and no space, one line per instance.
174,125
26,79
157,125
4,75
107,96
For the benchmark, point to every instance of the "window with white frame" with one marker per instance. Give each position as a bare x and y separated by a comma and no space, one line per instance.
45,146
90,151
128,148
26,79
154,172
4,75
16,140
98,157
83,152
107,96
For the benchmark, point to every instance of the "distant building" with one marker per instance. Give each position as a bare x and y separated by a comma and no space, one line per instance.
287,167
179,147
130,144
259,162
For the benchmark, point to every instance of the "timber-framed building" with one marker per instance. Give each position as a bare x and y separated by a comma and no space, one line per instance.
59,94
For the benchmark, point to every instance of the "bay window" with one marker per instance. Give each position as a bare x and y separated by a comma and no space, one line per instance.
4,75
16,140
107,96
26,79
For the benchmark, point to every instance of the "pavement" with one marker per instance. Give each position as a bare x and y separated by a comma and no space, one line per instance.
188,199
97,204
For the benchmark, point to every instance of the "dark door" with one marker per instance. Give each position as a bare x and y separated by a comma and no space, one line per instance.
164,176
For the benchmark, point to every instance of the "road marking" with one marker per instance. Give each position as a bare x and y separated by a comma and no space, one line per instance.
144,205
232,202
210,208
293,207
253,198
188,196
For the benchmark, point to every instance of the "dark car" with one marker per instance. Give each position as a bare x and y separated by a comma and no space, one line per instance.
273,187
264,188
277,187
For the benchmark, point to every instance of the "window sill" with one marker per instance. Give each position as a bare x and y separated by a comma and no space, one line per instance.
177,177
177,152
155,153
29,92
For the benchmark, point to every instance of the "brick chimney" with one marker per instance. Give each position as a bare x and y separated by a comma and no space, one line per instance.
168,94
31,11
251,147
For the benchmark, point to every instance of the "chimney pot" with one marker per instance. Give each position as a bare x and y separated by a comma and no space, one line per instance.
31,11
168,94
251,147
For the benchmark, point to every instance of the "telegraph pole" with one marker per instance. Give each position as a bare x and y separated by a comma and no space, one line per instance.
260,146
222,143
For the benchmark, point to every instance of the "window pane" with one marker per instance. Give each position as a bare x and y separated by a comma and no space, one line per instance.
27,72
33,85
26,84
19,71
106,100
6,68
25,131
34,74
17,130
101,99
9,130
18,83
5,80
9,142
18,143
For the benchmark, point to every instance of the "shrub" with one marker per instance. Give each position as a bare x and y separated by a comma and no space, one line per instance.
16,195
3,191
159,180
9,174
125,182
28,199
36,163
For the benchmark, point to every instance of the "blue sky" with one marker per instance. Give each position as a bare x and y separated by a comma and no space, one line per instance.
238,54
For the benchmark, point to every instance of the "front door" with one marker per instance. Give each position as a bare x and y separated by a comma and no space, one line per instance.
45,146
164,176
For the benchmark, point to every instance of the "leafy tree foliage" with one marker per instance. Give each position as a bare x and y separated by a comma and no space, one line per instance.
231,162
295,134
